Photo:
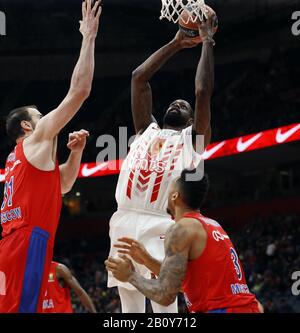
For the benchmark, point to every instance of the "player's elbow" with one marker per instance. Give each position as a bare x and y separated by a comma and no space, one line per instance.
65,185
84,93
82,295
81,93
137,74
65,189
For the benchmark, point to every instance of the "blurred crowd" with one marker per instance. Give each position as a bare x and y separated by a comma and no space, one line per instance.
269,250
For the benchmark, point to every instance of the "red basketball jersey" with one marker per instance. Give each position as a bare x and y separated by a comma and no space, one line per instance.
215,282
57,298
32,198
29,218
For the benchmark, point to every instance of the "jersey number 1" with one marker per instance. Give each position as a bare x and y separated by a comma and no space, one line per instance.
8,193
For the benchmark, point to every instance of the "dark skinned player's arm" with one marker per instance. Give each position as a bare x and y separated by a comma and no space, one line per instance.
204,86
204,82
165,289
141,93
138,253
65,274
153,265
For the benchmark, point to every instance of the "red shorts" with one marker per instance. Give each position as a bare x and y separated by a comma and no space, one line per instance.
25,258
251,308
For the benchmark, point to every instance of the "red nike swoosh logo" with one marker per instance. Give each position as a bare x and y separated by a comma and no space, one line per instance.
242,146
282,137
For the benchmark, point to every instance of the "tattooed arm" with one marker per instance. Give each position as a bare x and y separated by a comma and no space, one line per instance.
165,289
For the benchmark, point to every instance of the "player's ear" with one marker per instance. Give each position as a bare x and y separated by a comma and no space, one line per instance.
175,195
26,125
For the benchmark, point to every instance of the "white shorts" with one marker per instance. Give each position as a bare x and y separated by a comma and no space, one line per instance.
146,228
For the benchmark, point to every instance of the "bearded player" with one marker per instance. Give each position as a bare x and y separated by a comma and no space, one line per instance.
58,295
34,182
200,259
157,156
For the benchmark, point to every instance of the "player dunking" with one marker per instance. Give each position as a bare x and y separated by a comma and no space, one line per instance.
34,182
200,259
157,156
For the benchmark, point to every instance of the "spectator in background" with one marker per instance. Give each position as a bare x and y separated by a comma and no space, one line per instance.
58,298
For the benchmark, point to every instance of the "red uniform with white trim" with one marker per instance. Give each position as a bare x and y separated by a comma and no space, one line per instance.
57,298
156,158
215,282
29,218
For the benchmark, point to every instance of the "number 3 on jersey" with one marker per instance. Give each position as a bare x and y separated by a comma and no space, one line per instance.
8,193
235,260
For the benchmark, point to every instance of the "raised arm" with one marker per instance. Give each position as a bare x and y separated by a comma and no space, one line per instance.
65,274
141,94
204,81
164,289
69,170
50,125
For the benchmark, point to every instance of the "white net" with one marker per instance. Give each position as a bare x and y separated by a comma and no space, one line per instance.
172,9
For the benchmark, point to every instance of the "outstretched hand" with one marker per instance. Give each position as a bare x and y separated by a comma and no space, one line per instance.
90,18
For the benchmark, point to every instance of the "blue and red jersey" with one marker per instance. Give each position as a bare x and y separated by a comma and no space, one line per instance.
215,282
29,218
57,298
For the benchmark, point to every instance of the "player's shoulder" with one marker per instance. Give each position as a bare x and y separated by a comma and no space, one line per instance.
185,232
190,223
210,222
179,236
189,226
62,268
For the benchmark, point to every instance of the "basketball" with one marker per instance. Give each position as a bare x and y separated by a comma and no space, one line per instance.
190,28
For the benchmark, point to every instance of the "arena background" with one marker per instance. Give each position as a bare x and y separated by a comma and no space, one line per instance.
254,195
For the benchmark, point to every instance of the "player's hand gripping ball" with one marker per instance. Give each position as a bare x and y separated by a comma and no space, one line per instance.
199,31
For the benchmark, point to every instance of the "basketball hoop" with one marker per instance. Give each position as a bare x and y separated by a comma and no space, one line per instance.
172,9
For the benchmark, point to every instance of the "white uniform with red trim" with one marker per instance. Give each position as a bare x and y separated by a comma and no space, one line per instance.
156,157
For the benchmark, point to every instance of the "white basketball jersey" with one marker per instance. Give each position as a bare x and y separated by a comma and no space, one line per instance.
156,157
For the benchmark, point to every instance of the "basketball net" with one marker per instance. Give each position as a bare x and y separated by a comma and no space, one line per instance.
172,9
